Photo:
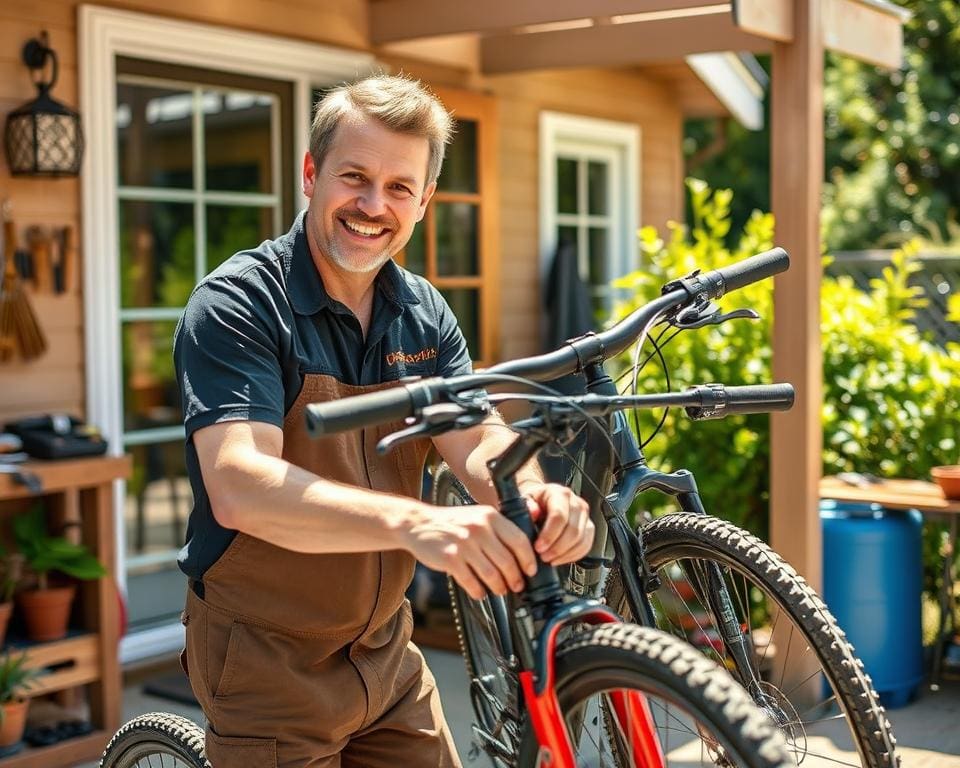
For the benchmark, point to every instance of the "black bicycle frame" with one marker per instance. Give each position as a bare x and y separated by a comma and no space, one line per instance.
618,478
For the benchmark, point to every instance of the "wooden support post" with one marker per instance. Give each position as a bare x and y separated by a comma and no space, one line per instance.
104,611
797,174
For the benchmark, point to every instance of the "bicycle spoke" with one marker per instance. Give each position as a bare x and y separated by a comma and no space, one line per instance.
829,758
803,682
784,655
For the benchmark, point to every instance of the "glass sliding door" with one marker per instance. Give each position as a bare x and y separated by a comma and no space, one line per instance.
203,171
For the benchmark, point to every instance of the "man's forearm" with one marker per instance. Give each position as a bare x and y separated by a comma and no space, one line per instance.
492,439
273,500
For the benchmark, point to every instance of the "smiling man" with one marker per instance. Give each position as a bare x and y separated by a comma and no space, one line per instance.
298,551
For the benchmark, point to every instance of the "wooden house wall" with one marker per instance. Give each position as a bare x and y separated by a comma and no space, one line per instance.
56,381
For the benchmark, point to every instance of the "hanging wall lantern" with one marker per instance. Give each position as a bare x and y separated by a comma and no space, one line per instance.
43,137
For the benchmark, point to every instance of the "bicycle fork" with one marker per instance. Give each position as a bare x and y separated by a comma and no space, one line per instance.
707,576
542,603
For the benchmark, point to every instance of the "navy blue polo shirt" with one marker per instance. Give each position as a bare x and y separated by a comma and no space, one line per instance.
256,325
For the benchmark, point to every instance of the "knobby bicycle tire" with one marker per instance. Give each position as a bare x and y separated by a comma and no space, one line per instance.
493,685
156,735
685,537
627,651
670,673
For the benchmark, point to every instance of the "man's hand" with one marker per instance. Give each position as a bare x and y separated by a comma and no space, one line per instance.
476,545
566,531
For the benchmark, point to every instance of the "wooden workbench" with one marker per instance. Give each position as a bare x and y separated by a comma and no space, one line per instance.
79,493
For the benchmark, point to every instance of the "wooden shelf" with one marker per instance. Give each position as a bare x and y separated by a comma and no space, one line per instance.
78,497
67,475
75,660
63,753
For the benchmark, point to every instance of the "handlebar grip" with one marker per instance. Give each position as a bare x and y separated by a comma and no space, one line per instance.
718,401
760,398
349,413
754,269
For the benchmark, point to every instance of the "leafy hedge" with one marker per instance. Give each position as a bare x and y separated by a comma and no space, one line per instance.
891,397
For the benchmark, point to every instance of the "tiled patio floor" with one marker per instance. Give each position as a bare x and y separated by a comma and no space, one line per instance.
928,730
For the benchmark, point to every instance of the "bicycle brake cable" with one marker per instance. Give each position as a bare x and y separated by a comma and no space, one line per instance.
576,465
663,418
588,419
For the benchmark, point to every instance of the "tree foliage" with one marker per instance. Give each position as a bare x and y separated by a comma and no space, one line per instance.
887,389
893,138
892,143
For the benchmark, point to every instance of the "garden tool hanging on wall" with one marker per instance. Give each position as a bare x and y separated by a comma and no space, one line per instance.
19,330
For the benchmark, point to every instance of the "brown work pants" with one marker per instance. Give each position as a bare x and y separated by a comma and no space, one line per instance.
274,699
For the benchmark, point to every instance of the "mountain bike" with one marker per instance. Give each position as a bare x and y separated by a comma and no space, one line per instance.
697,577
586,688
496,641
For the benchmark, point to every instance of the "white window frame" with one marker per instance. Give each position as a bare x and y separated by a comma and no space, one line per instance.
104,34
591,135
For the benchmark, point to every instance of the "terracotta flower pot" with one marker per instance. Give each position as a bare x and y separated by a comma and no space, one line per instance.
47,611
5,610
14,721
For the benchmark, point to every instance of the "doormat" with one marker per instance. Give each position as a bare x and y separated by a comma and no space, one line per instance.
174,686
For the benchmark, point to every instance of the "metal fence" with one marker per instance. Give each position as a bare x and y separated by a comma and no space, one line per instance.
939,278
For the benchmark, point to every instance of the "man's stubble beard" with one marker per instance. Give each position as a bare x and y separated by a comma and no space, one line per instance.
341,260
365,266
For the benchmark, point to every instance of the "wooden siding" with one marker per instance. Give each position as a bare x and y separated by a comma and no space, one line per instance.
55,382
610,94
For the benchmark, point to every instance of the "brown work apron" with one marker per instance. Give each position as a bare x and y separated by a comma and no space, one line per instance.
305,660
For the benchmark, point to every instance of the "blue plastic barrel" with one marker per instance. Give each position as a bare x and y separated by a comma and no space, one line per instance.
872,579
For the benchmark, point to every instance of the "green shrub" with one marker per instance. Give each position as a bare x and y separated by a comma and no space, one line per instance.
890,396
730,457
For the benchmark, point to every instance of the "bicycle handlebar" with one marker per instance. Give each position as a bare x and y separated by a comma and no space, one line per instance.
349,413
718,401
403,401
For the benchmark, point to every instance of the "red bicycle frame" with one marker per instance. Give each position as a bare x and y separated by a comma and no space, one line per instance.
630,708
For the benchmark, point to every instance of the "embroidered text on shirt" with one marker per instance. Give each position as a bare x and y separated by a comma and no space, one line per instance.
418,357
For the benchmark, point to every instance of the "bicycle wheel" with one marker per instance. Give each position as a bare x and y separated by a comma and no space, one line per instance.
812,683
700,715
156,740
493,684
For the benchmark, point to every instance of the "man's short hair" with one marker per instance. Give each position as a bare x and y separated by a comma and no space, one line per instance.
401,104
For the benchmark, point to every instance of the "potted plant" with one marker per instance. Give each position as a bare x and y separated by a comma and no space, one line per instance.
46,608
11,571
15,681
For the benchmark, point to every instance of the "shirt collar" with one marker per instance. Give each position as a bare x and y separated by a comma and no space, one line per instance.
305,286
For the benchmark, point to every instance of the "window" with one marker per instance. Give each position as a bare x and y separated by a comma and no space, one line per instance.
229,61
455,246
588,177
199,176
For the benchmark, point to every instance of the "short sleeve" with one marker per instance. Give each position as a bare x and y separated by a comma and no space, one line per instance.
453,356
226,351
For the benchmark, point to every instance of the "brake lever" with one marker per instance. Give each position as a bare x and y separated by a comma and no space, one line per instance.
434,419
709,314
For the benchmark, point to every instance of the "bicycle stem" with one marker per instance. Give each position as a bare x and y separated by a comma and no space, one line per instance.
543,590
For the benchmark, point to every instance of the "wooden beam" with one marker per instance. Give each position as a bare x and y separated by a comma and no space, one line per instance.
797,157
615,45
395,20
865,31
772,19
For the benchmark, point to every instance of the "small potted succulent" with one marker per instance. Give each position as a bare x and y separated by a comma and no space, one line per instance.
15,681
46,606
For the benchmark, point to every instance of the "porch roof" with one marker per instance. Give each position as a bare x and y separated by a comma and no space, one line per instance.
517,35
